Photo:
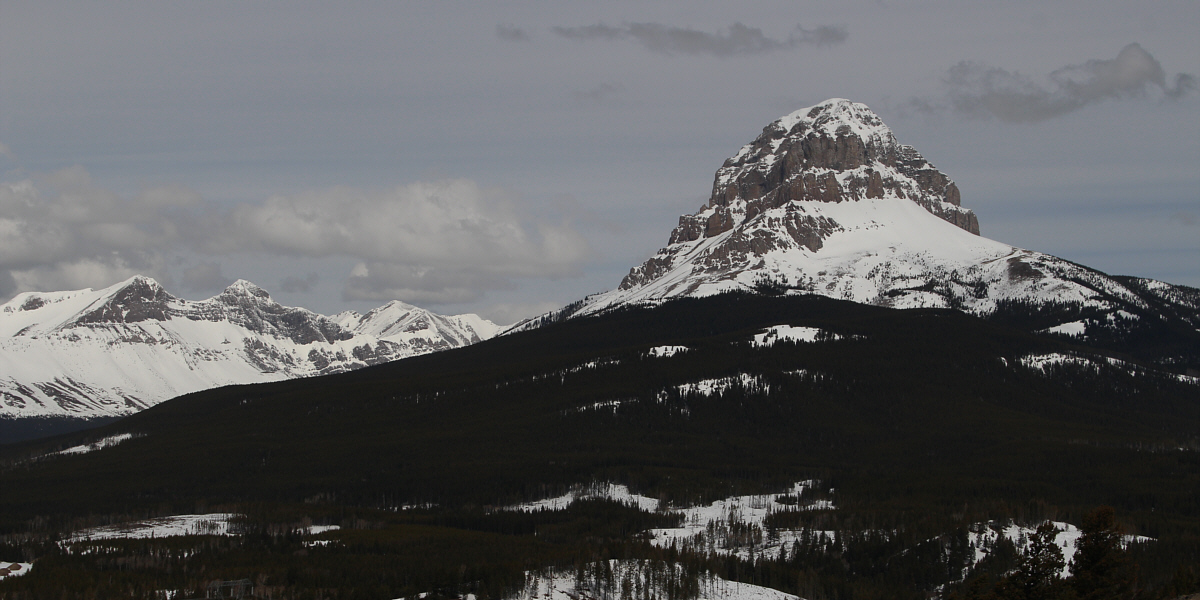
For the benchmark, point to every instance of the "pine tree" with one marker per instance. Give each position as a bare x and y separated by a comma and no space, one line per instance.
1101,569
1037,575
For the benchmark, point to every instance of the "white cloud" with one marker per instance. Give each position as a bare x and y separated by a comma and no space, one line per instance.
65,232
445,241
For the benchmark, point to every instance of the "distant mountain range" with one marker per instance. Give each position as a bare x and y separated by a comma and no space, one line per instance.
115,351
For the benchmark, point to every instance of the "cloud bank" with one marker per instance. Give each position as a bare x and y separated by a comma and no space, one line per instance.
65,232
981,90
736,40
431,242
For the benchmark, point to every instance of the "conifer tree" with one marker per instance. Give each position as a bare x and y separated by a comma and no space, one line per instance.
1101,569
1037,575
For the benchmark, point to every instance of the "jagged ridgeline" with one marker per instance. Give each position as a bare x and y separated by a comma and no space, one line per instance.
826,385
96,354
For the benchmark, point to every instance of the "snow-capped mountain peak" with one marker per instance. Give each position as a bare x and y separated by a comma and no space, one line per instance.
245,289
89,353
826,201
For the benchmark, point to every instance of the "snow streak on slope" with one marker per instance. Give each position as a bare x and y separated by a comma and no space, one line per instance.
1047,363
596,491
100,444
118,350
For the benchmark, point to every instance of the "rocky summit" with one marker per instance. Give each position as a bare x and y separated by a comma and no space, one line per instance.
826,201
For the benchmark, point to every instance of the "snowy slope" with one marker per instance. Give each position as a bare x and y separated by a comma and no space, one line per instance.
640,579
115,351
826,201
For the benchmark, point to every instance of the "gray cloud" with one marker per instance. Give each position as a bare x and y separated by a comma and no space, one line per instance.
736,40
6,152
512,33
426,242
64,232
598,93
981,90
205,277
293,284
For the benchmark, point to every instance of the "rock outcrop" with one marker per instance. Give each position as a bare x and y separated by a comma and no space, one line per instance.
836,151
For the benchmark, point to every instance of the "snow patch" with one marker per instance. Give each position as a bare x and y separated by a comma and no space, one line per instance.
788,333
173,526
710,387
596,491
611,405
666,351
1043,362
1074,328
736,526
100,444
8,569
983,537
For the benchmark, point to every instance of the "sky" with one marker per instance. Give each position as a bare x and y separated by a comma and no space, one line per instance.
507,158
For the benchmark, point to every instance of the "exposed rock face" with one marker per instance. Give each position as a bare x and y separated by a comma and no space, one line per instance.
141,300
837,151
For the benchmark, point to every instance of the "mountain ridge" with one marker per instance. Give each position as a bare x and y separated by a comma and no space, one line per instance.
120,349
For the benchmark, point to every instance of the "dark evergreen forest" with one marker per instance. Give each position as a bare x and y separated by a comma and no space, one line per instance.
919,424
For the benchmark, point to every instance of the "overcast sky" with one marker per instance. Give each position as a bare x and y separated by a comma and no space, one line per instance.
508,158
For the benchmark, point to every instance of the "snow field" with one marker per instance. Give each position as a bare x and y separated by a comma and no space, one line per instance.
177,525
615,579
734,526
